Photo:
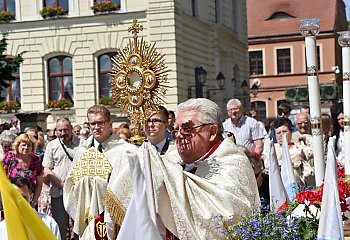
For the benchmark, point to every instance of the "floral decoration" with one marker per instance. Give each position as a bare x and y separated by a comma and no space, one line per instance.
105,6
6,16
272,225
61,104
310,197
9,105
262,224
52,11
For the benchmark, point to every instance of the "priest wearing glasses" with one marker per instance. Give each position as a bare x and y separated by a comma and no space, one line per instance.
83,197
205,176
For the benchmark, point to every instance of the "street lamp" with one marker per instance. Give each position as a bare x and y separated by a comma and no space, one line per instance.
255,89
220,80
309,28
244,87
344,42
200,77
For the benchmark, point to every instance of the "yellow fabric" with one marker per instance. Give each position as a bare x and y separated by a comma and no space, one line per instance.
22,222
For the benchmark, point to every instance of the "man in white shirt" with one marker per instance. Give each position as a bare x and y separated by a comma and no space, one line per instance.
57,161
247,130
24,187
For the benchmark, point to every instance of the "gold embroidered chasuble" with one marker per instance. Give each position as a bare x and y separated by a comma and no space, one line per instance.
224,184
83,199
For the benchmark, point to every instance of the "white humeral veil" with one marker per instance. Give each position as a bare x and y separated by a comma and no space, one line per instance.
140,218
224,184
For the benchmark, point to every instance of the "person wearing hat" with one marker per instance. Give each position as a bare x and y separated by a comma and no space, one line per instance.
15,129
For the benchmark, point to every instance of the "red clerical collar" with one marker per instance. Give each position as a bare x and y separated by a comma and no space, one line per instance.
205,156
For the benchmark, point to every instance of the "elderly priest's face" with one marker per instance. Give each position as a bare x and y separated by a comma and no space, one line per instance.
193,138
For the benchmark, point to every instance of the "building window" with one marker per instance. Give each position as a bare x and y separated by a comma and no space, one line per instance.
61,3
283,61
104,80
8,6
235,15
256,62
13,92
260,108
193,8
60,78
280,15
218,14
318,59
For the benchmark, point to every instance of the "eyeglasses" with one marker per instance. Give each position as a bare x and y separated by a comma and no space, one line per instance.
301,123
283,113
186,131
98,124
232,109
155,122
282,132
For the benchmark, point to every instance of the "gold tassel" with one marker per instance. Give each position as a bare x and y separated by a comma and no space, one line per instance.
114,207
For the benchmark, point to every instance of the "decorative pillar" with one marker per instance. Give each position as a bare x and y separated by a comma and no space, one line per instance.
344,42
309,28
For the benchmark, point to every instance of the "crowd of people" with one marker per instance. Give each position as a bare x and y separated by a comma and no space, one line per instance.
199,159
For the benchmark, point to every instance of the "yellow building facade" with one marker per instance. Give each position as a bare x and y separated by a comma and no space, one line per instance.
69,56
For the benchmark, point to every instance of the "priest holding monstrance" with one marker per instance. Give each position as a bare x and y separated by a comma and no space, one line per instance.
206,176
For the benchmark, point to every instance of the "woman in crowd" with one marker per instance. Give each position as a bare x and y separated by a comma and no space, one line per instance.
262,179
338,132
7,137
40,146
302,168
22,162
84,133
124,133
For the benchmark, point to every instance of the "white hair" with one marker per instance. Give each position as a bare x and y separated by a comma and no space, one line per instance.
208,111
235,102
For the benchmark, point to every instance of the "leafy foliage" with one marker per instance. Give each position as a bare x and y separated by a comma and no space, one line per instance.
62,104
52,11
105,6
7,66
106,100
6,16
10,105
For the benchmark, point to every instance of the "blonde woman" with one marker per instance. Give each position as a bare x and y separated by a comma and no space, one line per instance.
22,162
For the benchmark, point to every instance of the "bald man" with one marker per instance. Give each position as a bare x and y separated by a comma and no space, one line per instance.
303,139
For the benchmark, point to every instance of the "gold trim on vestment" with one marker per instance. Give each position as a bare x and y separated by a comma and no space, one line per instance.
114,207
91,164
87,216
315,125
312,71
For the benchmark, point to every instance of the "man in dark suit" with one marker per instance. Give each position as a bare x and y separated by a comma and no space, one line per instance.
155,129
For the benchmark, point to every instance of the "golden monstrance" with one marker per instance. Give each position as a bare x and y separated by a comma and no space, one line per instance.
138,79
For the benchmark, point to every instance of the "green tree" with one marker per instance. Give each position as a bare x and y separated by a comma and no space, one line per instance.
8,66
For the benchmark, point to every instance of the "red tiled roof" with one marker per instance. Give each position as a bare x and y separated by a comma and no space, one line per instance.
259,11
